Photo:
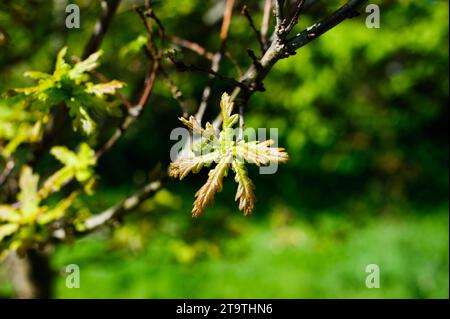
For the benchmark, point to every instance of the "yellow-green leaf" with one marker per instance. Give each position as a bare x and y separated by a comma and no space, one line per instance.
28,195
8,214
102,89
84,66
58,211
226,108
7,230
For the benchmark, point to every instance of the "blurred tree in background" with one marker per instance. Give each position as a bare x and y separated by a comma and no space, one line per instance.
363,114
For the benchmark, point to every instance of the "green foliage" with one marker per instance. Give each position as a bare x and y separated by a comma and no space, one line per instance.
134,46
22,224
224,150
76,165
26,222
18,126
275,258
362,111
70,85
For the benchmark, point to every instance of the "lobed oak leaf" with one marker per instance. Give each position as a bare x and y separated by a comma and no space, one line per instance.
182,167
223,149
261,153
245,193
214,184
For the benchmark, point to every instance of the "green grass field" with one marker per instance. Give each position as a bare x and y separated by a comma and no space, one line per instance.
325,258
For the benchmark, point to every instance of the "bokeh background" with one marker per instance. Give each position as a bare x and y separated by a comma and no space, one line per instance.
362,112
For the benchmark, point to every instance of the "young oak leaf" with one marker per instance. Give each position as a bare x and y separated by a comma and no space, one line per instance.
226,152
226,106
181,168
28,195
18,221
70,84
104,88
245,192
76,165
214,184
81,67
261,153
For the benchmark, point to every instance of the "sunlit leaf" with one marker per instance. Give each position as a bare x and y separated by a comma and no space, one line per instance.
104,88
70,85
214,184
58,211
28,195
226,106
84,66
224,150
245,193
8,214
7,230
260,153
182,167
76,165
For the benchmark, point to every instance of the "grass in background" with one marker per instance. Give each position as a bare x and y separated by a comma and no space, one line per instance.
324,258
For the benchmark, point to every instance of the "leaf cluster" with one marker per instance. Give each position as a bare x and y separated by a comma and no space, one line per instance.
226,151
71,85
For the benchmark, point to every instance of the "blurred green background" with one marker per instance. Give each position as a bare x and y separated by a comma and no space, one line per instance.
362,112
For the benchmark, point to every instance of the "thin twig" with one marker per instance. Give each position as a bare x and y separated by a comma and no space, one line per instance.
149,85
9,166
235,64
265,22
108,10
245,12
254,58
195,47
279,17
118,211
176,92
112,215
207,90
294,19
182,67
226,21
279,50
135,111
215,64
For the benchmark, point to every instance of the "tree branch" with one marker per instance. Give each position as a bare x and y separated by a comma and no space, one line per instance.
176,93
216,59
265,22
182,67
108,10
279,17
245,12
118,211
280,48
135,111
195,47
9,166
294,19
346,11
